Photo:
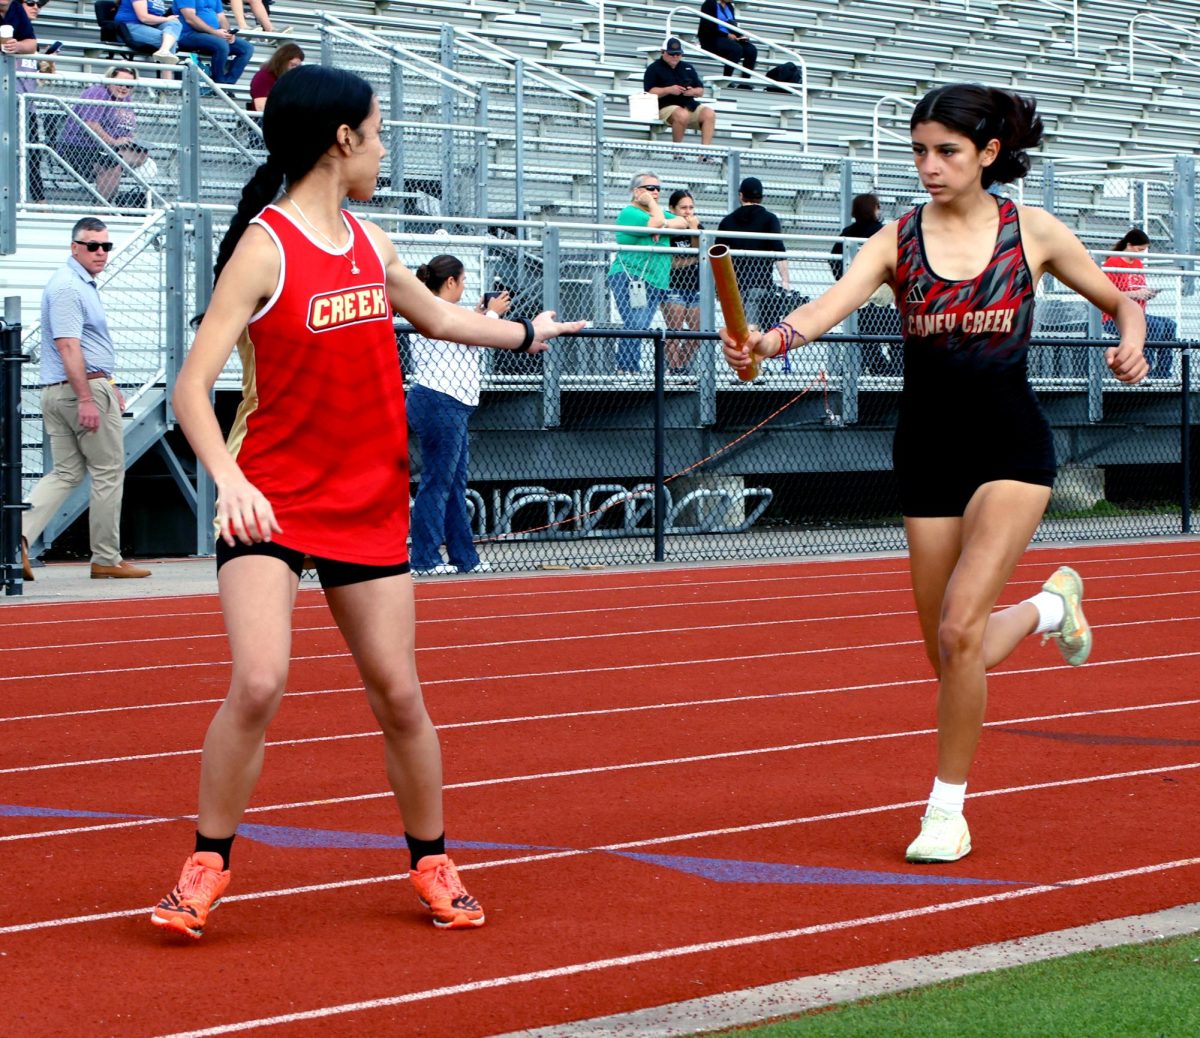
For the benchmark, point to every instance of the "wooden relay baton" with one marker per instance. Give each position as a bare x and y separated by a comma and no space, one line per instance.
731,305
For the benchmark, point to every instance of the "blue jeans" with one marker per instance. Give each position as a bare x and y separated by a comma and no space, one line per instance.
439,513
229,60
629,351
155,36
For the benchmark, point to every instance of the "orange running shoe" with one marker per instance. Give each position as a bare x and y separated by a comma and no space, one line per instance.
441,891
201,884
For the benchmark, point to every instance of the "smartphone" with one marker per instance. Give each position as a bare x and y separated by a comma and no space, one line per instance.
54,48
233,31
489,296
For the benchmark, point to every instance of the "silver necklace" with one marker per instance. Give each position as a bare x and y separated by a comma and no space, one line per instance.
332,244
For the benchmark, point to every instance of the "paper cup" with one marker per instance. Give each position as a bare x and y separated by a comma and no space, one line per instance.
6,32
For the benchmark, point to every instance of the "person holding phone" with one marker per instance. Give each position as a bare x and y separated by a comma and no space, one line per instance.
443,394
18,40
723,37
206,30
1130,248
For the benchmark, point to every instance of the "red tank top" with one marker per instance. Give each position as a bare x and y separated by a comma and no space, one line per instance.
326,441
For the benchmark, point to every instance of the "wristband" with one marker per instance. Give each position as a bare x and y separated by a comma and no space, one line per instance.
527,324
787,337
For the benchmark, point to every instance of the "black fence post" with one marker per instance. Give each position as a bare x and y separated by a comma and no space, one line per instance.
1185,430
660,446
11,503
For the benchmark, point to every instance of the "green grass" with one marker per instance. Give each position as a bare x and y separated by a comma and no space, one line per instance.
1135,991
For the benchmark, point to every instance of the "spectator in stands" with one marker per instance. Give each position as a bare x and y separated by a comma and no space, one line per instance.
640,280
1158,329
286,57
19,17
81,406
677,85
151,23
754,273
206,30
879,316
973,450
682,306
443,393
259,8
723,38
108,114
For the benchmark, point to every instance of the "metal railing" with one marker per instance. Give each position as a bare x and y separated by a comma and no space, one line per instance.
11,496
1174,55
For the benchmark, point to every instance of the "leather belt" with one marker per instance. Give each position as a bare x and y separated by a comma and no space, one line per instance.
67,381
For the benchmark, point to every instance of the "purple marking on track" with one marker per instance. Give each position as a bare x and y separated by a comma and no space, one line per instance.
724,871
1088,739
17,811
336,839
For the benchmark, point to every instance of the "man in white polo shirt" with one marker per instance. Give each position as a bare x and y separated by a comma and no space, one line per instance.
81,405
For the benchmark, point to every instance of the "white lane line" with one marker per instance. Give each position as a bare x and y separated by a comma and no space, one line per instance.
583,637
426,597
22,769
705,947
629,845
600,635
604,769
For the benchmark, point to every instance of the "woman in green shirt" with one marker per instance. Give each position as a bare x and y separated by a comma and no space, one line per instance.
640,281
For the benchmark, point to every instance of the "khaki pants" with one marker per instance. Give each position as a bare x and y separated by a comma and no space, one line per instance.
101,454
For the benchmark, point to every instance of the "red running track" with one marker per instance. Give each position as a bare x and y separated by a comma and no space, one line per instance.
653,805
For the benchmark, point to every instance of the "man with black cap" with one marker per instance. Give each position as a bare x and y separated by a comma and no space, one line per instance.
754,273
677,84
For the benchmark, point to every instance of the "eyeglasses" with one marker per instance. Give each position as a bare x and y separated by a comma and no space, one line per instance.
36,3
92,246
650,187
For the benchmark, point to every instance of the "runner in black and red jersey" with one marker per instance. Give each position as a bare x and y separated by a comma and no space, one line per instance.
973,453
317,464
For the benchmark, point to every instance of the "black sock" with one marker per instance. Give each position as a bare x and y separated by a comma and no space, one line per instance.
419,849
222,846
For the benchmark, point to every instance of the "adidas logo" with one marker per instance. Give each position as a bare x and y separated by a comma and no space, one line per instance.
915,295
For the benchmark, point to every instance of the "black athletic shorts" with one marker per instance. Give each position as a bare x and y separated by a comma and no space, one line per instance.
330,572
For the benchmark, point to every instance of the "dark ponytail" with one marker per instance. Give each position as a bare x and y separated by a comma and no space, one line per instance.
1133,236
439,270
982,114
300,121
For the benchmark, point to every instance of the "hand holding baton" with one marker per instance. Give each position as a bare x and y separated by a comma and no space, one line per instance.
731,305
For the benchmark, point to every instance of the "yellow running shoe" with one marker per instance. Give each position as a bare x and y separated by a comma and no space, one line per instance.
944,837
1074,636
201,884
441,891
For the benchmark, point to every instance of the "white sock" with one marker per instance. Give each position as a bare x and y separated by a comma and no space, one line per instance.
948,796
1050,611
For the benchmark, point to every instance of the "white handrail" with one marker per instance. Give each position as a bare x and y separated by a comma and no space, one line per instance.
489,50
1154,46
876,129
599,5
789,88
1058,5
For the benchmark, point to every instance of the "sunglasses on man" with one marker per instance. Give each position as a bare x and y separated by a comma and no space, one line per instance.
36,3
92,246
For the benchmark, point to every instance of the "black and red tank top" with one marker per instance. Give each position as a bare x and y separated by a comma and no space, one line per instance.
322,431
959,328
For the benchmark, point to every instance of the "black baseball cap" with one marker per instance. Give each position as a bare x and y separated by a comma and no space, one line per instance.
751,187
674,45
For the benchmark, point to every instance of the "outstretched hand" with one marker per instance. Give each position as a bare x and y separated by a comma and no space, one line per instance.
1127,362
545,328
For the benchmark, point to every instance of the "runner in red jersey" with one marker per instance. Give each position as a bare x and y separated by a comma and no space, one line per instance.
973,454
317,464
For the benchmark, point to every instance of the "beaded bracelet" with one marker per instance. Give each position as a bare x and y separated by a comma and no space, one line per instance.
787,337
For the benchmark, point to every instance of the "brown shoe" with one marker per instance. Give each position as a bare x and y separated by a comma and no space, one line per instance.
123,569
26,568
